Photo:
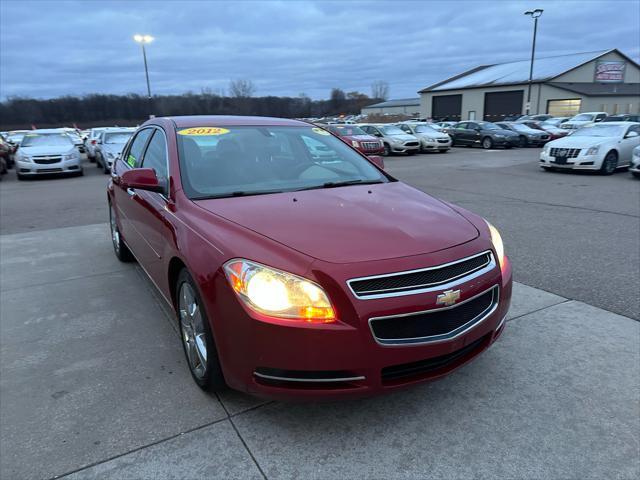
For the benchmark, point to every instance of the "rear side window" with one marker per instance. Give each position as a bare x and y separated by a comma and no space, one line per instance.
134,157
156,156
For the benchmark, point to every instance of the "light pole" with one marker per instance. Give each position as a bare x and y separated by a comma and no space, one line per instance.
142,40
533,14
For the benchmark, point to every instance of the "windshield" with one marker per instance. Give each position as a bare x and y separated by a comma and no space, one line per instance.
489,126
16,137
50,140
120,137
347,131
247,160
553,121
425,129
583,117
392,130
599,131
523,128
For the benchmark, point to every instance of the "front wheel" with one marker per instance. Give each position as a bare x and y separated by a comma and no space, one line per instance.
609,164
387,150
443,151
636,174
411,152
119,247
197,340
522,141
487,143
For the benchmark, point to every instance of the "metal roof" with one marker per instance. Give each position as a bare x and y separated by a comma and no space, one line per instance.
600,89
544,69
400,102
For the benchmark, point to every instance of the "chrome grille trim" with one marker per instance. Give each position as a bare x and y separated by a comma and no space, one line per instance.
571,152
449,283
461,330
308,380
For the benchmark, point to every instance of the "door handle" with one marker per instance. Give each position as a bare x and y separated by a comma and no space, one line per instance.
131,192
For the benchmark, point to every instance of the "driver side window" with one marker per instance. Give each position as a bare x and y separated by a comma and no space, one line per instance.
134,155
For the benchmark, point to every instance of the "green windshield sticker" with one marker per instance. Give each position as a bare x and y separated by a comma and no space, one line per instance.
131,160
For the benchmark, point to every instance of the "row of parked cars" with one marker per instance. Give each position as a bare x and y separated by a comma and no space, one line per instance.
58,150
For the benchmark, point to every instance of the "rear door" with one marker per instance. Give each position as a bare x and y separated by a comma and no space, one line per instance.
457,133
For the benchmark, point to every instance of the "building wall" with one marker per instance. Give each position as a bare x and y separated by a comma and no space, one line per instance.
586,73
609,104
405,110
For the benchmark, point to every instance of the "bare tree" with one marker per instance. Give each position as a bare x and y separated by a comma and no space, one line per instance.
380,89
241,88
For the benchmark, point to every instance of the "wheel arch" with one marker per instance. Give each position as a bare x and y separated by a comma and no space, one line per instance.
175,267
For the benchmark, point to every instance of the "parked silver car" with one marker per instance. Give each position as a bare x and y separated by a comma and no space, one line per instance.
46,152
394,139
91,142
109,146
431,140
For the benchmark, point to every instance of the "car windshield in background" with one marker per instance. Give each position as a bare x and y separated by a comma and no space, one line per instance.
583,118
425,129
122,137
599,131
392,130
236,161
51,139
523,128
489,126
347,131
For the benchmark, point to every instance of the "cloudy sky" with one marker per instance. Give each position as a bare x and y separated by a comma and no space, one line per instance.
50,47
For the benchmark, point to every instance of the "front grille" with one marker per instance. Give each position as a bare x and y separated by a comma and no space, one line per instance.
418,279
544,137
47,160
411,144
570,152
370,145
443,140
49,170
434,325
431,365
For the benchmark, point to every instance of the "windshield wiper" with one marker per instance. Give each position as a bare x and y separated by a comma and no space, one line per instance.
341,184
238,193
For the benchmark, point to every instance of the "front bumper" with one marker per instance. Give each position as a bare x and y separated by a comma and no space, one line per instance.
404,148
581,162
506,141
634,167
273,358
34,169
435,145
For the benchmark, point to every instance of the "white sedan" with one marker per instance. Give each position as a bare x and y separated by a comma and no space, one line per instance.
634,168
603,147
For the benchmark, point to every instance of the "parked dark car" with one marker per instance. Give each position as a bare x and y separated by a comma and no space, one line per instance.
485,134
539,118
624,117
527,136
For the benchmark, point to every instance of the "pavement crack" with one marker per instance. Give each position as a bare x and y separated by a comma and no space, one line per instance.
566,300
70,279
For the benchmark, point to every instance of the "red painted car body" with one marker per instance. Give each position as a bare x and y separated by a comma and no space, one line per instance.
329,236
361,141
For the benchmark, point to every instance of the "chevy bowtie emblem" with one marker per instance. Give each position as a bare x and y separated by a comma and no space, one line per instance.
448,298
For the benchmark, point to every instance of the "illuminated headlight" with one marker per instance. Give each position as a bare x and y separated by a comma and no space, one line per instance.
277,293
355,144
496,239
593,150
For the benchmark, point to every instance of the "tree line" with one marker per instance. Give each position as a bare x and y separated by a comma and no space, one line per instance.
98,109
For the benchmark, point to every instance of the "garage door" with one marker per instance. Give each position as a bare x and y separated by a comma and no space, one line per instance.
446,107
564,108
498,105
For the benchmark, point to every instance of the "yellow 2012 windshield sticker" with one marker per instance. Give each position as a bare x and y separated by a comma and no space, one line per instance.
195,131
320,131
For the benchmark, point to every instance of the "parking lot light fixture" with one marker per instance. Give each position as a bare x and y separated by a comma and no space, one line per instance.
142,40
535,14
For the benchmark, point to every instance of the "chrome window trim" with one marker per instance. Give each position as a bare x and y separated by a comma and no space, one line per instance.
453,334
308,380
427,287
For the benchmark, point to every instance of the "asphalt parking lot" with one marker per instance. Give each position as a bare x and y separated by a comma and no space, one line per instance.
93,383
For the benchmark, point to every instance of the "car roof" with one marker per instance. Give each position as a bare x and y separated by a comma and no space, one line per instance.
617,123
48,130
231,120
119,129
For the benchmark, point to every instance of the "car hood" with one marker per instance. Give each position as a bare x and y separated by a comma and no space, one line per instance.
506,133
47,150
405,137
113,147
571,141
361,138
432,135
350,224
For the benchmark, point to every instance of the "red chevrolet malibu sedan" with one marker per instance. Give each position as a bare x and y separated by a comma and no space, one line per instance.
298,276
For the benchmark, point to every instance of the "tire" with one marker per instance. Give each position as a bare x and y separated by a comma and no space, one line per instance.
636,174
522,141
119,247
98,164
487,143
387,150
548,169
105,169
20,177
609,164
507,146
195,332
411,152
443,151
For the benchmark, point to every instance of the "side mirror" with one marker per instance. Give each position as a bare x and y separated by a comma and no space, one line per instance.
377,160
141,178
631,135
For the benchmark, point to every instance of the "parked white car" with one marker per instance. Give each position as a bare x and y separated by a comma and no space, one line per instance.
109,146
584,120
91,142
634,168
431,140
46,152
603,147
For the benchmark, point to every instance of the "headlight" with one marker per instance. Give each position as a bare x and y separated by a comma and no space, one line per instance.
24,158
399,142
110,155
499,135
69,156
546,148
496,239
355,144
593,150
279,294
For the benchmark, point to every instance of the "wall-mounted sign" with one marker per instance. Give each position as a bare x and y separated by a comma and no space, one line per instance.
610,71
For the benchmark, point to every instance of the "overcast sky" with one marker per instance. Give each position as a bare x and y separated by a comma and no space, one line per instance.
52,48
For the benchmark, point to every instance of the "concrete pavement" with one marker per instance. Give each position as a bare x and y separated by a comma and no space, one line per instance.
94,384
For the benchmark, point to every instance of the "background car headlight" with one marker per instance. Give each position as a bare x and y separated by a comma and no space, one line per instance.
110,155
69,156
546,148
397,142
355,144
24,158
496,239
279,294
593,150
499,135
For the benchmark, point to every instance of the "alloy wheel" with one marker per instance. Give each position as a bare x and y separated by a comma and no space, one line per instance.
115,234
193,331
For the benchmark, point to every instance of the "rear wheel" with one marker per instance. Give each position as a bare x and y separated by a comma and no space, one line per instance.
609,164
195,331
119,247
487,143
522,141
